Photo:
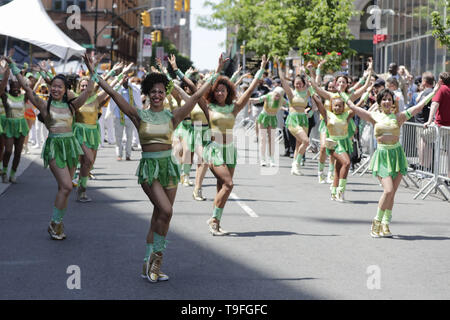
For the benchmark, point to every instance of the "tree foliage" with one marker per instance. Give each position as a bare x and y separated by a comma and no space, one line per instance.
441,27
275,27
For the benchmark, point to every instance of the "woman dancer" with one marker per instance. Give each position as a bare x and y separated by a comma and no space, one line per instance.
221,153
200,129
157,173
87,132
16,127
297,120
61,150
268,122
388,162
338,143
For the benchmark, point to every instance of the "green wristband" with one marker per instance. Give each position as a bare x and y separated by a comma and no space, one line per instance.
120,77
234,78
362,81
180,74
112,73
344,97
408,115
50,75
365,96
318,71
15,71
311,91
94,78
212,78
259,74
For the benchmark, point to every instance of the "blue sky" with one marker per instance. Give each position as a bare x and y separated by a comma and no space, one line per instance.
206,44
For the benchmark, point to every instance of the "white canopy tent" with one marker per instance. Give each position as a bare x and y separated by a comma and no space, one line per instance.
28,21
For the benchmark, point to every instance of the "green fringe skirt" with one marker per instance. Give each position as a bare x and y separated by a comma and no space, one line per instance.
343,145
220,154
64,148
14,128
267,120
158,166
87,134
388,160
185,131
296,119
351,128
201,136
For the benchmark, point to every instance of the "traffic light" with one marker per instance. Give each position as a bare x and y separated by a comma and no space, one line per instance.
158,36
178,4
187,5
145,19
153,35
242,49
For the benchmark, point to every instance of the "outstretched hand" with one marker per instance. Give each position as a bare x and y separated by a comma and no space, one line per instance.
222,62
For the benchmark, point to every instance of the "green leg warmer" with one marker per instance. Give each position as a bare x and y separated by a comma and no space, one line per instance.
148,251
217,213
380,214
342,184
299,158
333,190
331,169
321,166
186,169
58,214
12,173
387,216
159,242
83,181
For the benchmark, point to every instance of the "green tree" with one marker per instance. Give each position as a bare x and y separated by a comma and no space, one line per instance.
440,27
274,27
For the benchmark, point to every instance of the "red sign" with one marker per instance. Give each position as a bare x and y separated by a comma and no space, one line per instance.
377,38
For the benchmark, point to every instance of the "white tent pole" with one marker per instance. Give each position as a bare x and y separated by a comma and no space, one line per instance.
6,46
65,60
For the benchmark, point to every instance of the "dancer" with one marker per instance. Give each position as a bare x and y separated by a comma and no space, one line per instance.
157,173
297,120
221,153
87,132
338,143
201,130
16,127
61,150
268,122
388,162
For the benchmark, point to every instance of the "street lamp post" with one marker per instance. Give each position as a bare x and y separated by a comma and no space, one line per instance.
114,6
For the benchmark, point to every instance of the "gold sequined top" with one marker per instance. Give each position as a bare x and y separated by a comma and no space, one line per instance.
337,124
299,101
17,106
155,127
222,118
60,117
385,124
197,115
271,106
88,113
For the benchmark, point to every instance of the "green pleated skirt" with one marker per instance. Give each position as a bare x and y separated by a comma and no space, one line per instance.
267,120
14,128
185,131
87,134
64,148
159,166
220,154
342,145
296,119
388,160
201,136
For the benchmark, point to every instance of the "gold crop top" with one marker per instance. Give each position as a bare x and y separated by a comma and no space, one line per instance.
16,107
385,124
197,115
222,118
271,105
155,127
337,124
299,101
60,116
88,113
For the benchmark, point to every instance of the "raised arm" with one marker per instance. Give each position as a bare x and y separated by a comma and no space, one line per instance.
243,100
284,82
118,99
321,92
359,92
320,106
31,95
360,112
411,112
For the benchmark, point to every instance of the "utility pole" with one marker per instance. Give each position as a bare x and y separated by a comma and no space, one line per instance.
95,24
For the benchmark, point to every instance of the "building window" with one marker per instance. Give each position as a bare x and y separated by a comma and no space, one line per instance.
62,5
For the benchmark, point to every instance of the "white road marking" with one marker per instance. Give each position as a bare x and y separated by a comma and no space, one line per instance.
245,207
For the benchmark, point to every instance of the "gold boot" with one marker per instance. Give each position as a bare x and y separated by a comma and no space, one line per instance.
153,269
197,195
375,229
385,232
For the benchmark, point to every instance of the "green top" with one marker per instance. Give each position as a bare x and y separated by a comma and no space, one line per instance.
225,109
155,117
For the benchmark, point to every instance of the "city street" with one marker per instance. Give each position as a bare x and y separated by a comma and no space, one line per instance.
288,241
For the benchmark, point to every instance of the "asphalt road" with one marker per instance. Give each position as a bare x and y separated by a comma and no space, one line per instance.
289,241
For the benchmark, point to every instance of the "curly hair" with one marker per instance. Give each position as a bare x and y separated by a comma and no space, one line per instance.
230,88
151,79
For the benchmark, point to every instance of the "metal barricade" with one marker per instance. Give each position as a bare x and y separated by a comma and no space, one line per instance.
367,141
